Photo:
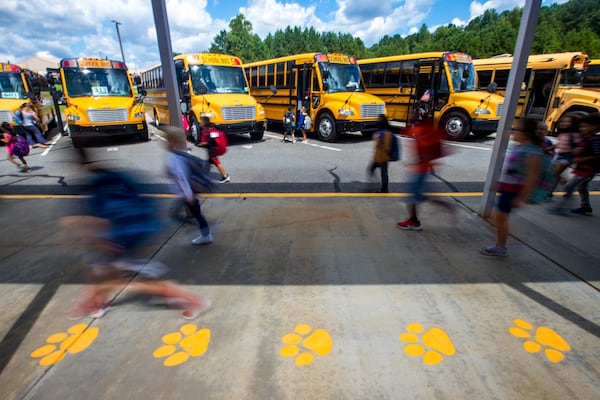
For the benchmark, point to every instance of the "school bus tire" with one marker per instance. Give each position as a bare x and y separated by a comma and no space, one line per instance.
144,137
456,125
325,128
156,119
194,130
77,142
256,135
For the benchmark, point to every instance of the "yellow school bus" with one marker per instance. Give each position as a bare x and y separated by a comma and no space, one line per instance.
20,85
591,77
212,85
449,81
329,85
552,86
99,99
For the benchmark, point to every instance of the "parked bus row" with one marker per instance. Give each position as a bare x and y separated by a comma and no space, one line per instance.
340,93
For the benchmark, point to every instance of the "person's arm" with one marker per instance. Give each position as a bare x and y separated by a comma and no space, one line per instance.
178,172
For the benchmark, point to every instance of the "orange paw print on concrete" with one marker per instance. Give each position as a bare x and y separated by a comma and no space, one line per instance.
178,347
303,344
545,338
77,338
434,344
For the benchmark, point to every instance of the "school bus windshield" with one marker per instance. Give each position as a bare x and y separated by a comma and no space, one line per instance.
105,82
11,86
571,77
217,79
463,76
340,76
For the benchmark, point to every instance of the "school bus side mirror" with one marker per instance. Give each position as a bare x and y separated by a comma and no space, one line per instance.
137,80
273,89
492,87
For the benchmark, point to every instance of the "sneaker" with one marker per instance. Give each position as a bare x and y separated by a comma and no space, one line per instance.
283,140
225,180
25,168
203,239
493,250
93,313
582,211
204,304
409,224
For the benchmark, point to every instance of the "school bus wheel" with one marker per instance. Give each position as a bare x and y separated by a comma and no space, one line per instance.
256,134
194,130
156,119
326,127
456,125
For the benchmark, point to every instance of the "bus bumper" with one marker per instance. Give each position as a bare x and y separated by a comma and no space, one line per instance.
484,125
353,126
242,127
109,130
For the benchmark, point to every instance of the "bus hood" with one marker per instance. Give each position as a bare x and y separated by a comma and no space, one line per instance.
581,96
230,99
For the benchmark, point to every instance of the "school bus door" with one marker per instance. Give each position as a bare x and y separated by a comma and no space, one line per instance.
304,83
542,83
423,80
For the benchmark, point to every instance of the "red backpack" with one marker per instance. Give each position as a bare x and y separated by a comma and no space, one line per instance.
217,141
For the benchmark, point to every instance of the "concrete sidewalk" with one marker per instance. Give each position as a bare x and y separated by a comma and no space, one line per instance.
314,298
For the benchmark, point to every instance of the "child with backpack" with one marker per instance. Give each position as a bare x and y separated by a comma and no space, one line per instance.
383,139
289,124
16,147
215,141
304,123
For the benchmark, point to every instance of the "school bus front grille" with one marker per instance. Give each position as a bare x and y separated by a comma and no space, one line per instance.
371,110
5,116
237,113
500,110
115,115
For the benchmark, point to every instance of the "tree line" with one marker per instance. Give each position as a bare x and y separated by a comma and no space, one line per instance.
571,26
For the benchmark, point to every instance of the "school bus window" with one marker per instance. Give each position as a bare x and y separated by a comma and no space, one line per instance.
571,77
270,75
407,72
485,78
501,78
262,77
290,74
280,81
392,74
443,86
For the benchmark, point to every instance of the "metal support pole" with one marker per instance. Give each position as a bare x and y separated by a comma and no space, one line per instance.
119,36
529,20
166,59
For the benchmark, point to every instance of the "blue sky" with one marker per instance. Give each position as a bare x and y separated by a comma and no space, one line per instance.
83,28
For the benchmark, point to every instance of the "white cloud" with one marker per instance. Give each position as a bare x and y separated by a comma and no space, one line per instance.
476,8
267,16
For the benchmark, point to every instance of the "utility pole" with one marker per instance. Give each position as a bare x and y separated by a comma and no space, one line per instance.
119,36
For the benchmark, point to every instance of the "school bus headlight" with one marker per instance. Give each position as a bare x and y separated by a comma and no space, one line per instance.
72,117
482,111
138,114
345,112
207,114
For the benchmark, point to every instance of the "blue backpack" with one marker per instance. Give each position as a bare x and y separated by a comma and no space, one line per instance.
117,198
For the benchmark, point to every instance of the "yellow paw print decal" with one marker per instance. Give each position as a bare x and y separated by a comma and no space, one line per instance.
318,342
192,343
434,343
554,344
75,340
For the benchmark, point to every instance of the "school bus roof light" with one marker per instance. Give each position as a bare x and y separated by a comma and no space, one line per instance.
68,63
118,65
12,68
322,58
